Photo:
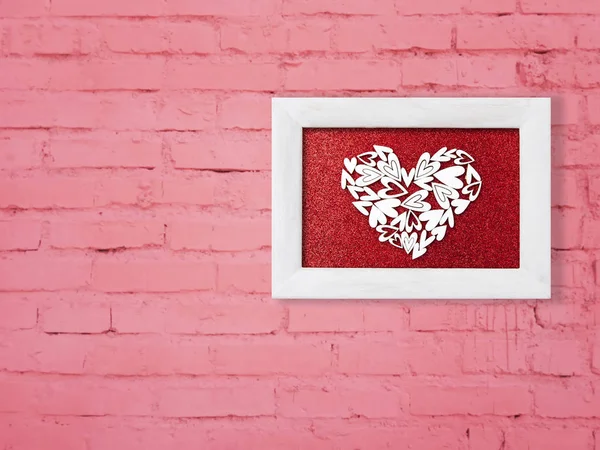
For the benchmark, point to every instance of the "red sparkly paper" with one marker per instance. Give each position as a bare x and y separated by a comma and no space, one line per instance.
336,234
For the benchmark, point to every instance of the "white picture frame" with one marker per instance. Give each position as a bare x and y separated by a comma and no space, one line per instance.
292,281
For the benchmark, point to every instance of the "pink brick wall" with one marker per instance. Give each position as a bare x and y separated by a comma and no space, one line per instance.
134,232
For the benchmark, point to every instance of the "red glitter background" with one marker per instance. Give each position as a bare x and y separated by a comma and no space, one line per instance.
336,234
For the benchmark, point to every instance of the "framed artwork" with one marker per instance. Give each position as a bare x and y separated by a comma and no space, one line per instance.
410,198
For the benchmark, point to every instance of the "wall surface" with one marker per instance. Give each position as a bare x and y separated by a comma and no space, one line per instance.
135,230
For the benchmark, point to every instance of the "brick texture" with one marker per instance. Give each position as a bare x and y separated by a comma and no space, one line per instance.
135,231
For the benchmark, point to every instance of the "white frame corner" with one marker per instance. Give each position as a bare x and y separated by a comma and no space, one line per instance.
530,115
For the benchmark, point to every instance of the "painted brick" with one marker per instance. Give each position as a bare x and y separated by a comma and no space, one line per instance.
564,310
498,6
425,355
35,38
24,74
396,34
268,437
26,8
360,435
512,316
293,7
590,233
241,400
586,74
562,357
201,74
374,359
223,8
495,353
191,235
471,400
250,191
324,316
250,277
567,399
46,192
44,353
550,439
441,317
254,37
461,317
593,102
594,188
20,235
117,111
223,152
20,153
150,355
106,235
20,433
95,75
304,36
596,354
421,71
565,189
569,270
569,153
187,112
556,6
566,109
245,111
103,151
325,402
68,317
193,37
139,191
30,272
515,32
152,276
485,436
17,314
547,70
222,235
408,7
566,229
135,37
79,397
258,358
587,34
107,8
499,72
343,75
198,191
190,317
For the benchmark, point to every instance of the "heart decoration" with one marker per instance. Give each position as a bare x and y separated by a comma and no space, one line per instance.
446,184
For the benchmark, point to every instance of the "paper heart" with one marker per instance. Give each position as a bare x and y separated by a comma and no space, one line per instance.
446,185
393,188
443,194
463,158
391,167
350,164
407,221
426,167
369,175
408,241
386,232
368,158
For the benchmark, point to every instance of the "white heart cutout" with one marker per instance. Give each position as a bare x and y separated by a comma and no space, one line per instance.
419,219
